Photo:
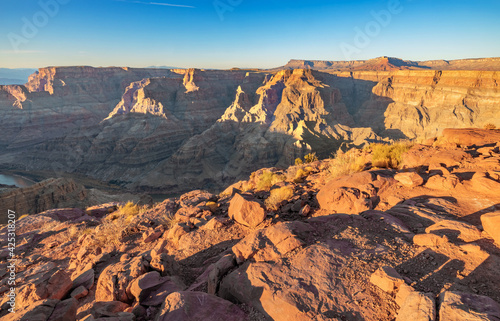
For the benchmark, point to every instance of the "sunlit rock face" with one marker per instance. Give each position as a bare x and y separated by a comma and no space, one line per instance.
173,130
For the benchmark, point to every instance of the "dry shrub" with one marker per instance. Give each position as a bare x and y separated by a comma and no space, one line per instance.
490,126
168,221
278,196
301,174
389,156
310,158
352,161
267,179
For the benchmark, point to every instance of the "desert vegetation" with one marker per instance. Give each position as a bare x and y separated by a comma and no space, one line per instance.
278,196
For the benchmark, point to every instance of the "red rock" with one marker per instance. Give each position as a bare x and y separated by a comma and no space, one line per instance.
198,306
409,179
85,279
194,198
471,136
271,243
79,292
481,182
387,279
418,306
64,311
152,289
37,311
152,235
54,284
456,306
429,240
466,231
245,211
445,182
114,279
107,309
344,200
491,224
305,210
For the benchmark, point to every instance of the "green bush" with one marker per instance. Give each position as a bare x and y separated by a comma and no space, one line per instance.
298,162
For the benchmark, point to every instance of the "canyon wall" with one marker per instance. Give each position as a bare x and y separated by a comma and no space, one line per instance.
168,131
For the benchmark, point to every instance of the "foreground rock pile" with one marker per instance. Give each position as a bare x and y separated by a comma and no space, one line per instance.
418,243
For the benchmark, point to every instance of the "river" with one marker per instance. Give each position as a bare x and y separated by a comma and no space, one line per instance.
8,179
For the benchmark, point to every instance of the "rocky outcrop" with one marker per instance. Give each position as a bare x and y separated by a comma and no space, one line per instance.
56,193
420,252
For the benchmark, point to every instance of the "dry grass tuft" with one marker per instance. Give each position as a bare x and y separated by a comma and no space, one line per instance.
277,197
389,156
350,162
267,179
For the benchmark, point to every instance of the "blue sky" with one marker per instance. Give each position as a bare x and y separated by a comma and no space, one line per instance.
241,33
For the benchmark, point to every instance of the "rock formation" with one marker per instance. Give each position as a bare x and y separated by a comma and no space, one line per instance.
166,131
418,250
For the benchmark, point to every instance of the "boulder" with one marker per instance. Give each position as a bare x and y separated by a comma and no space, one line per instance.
465,231
344,200
388,279
37,311
418,306
65,311
151,289
114,279
409,179
152,235
442,182
491,224
456,306
85,279
429,240
246,211
271,243
198,306
54,284
79,292
483,183
194,198
107,309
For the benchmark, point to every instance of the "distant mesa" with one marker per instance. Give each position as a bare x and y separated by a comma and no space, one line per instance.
390,63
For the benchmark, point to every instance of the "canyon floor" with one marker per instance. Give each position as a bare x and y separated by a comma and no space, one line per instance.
304,243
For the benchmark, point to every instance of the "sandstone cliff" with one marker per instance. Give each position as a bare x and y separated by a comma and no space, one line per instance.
165,130
391,63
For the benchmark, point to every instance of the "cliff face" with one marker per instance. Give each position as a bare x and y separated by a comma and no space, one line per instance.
170,130
412,104
391,63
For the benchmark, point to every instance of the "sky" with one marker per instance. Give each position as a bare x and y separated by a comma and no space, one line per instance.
241,33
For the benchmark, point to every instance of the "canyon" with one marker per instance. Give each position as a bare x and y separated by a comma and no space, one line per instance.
169,130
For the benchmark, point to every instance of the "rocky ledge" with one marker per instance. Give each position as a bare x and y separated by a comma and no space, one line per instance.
420,241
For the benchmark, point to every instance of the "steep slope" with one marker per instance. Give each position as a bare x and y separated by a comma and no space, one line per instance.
410,104
291,114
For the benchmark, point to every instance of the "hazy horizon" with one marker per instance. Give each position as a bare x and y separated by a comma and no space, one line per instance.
224,34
